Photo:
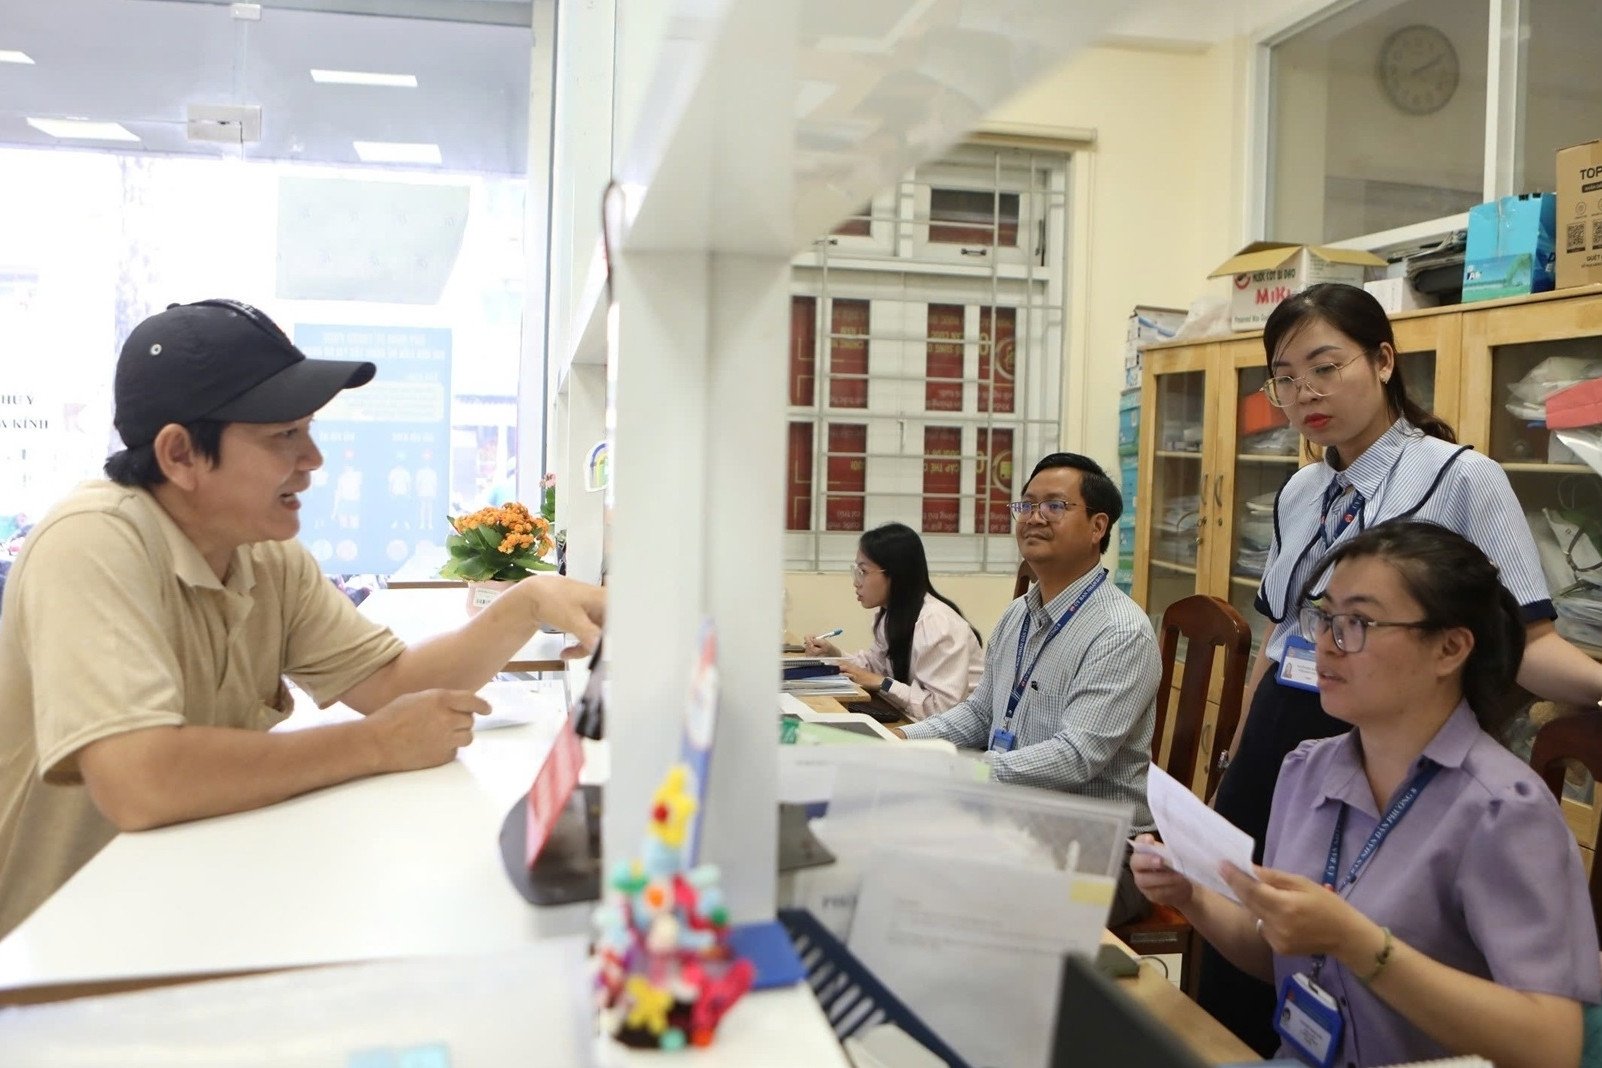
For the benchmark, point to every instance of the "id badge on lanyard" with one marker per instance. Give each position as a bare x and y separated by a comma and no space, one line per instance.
1298,664
1309,1020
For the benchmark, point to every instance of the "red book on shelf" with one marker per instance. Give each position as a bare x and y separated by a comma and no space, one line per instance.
848,354
943,360
993,482
942,478
1002,341
803,351
847,476
798,478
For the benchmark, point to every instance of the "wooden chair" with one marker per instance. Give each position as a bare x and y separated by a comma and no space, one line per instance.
1209,626
1576,738
1026,578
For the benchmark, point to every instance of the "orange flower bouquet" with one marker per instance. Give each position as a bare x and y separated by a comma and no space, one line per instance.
503,544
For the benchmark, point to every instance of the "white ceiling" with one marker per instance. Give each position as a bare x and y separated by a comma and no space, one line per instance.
143,62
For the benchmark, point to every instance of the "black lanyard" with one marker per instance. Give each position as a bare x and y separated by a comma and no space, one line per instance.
1020,677
1382,830
1332,494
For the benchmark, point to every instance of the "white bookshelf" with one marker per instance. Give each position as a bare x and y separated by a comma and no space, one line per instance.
740,130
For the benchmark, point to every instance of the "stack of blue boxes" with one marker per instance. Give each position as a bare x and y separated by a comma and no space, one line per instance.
1128,480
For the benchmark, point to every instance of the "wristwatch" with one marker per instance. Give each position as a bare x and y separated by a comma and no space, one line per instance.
884,687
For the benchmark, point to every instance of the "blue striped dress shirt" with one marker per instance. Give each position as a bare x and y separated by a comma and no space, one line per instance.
1084,724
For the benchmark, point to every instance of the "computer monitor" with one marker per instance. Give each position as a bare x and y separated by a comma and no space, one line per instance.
1099,1025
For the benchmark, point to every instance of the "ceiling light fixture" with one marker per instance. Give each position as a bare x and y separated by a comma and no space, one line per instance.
397,152
364,77
83,130
9,56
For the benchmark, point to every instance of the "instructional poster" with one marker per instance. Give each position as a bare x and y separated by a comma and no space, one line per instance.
383,491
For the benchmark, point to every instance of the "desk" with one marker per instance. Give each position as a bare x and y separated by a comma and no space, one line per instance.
1209,1039
392,866
418,613
404,865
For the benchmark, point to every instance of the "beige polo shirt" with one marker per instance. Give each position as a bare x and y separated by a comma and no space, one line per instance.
113,622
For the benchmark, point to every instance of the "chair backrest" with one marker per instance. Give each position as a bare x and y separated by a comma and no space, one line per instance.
1577,738
1026,577
1209,625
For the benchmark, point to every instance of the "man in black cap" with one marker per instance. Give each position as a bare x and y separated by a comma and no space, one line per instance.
150,619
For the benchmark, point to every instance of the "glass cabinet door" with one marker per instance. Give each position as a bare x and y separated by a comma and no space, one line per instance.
1167,568
1427,353
1266,454
1517,360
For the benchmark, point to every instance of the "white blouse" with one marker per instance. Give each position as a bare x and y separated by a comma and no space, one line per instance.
946,663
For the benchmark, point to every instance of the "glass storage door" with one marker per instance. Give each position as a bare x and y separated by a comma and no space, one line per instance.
1266,453
1426,349
1524,365
1174,422
1522,361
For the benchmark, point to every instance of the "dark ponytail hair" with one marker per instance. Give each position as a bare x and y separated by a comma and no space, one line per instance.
1456,585
897,550
1354,312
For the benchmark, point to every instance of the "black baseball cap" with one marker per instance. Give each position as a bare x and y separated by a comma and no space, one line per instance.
223,360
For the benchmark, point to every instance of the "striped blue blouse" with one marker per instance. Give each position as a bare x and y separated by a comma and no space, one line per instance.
1404,475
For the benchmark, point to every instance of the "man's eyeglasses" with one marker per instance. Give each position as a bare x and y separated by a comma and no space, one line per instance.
860,573
1320,381
1051,510
1349,631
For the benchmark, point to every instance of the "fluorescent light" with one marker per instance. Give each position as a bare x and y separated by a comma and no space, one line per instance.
397,152
9,56
83,130
364,77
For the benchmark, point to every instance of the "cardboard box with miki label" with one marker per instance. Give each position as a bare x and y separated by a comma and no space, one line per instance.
1266,272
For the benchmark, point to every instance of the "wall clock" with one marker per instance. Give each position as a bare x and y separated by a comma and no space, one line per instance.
1418,69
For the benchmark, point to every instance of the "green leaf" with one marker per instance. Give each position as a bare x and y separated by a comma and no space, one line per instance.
476,570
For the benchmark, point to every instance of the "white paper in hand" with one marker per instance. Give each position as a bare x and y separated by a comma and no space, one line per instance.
1196,840
517,704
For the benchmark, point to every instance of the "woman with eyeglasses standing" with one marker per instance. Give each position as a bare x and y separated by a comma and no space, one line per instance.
1333,368
925,655
1460,921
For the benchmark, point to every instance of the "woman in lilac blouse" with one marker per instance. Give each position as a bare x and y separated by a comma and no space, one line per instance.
1418,875
925,655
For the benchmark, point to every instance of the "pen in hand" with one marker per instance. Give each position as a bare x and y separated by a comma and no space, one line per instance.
820,644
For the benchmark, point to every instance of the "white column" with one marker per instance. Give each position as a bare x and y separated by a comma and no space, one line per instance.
698,428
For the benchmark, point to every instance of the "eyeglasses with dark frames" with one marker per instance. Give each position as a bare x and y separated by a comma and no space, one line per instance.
1349,631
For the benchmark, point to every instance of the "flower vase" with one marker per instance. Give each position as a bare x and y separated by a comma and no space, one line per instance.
480,594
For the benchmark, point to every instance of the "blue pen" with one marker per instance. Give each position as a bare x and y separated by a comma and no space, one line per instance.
835,633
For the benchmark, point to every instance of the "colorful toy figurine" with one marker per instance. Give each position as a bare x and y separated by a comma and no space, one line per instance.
664,972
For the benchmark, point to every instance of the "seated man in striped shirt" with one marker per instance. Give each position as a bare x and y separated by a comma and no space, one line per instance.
1071,671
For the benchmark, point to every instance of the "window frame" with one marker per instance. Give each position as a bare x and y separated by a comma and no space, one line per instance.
900,284
1500,171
